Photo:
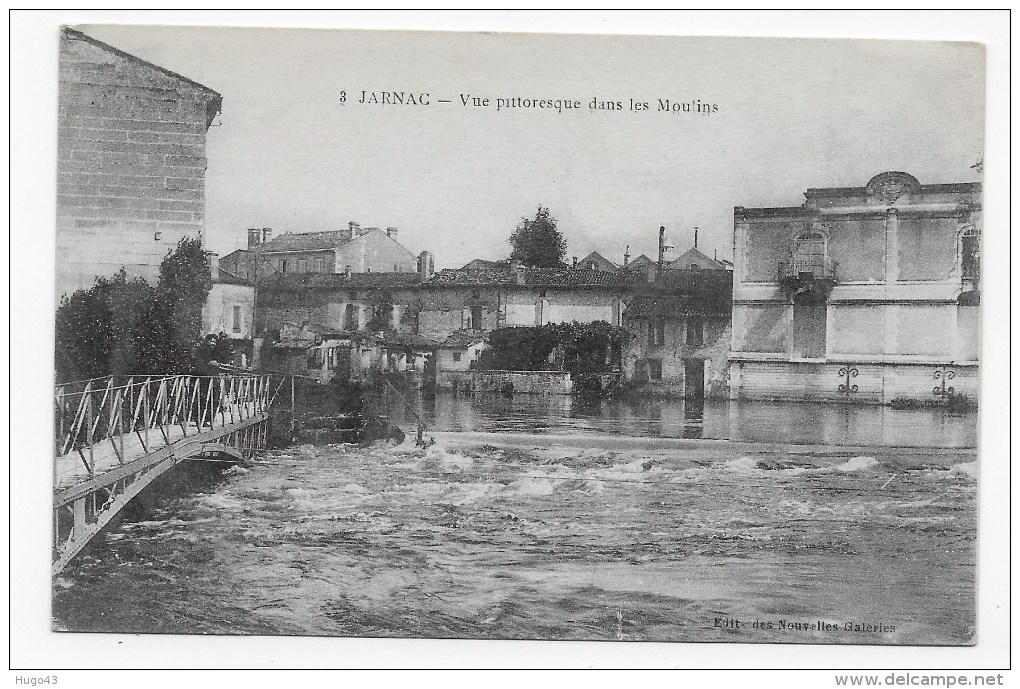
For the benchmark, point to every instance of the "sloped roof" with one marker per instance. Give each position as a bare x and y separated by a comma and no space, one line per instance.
461,340
337,281
306,241
483,264
640,262
600,261
215,102
693,256
533,277
74,34
409,340
669,307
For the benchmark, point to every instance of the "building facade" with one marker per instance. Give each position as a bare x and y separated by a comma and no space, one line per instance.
866,294
131,162
680,327
229,308
376,302
352,250
481,301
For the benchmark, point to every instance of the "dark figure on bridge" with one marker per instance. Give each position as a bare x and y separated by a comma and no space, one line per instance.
208,369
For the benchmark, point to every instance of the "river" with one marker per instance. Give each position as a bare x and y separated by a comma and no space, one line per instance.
592,527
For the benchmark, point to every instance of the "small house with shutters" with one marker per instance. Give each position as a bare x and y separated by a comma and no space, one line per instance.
681,332
351,250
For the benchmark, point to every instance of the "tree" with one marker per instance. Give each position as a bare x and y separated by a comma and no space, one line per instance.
126,327
537,243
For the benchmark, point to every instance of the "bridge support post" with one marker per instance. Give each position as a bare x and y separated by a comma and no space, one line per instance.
78,507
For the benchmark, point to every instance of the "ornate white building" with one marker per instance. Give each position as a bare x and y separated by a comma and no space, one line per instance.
866,294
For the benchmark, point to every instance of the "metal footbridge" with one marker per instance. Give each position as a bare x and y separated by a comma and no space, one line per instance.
114,436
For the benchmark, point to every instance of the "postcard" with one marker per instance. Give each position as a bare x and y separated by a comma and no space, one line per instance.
517,336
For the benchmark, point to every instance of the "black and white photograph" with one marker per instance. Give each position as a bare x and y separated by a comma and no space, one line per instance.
516,336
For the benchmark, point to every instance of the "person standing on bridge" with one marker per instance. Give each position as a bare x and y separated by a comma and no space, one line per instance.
207,368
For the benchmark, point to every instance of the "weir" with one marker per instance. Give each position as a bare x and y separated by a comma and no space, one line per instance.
114,436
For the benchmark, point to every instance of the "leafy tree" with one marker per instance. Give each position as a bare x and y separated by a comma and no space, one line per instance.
537,243
126,327
96,328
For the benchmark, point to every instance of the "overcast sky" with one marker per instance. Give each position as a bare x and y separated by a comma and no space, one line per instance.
792,114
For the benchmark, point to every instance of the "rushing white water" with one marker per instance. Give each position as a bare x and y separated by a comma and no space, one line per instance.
549,541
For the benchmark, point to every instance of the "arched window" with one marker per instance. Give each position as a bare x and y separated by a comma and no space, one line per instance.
809,254
970,253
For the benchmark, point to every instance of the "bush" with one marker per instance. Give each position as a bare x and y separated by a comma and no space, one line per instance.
127,327
583,348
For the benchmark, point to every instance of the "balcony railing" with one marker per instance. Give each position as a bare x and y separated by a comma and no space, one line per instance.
808,270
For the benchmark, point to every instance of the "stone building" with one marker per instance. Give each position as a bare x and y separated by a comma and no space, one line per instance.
681,333
377,302
131,162
351,250
484,300
865,294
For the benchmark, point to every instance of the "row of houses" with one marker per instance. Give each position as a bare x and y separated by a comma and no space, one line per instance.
435,324
866,293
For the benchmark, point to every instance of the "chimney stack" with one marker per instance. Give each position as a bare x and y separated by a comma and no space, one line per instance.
695,237
518,271
662,247
573,261
212,258
353,230
626,256
253,237
391,232
426,265
267,234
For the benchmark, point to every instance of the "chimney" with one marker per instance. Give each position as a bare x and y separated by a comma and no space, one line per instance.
518,271
267,234
695,237
662,247
212,258
426,265
573,261
626,256
391,232
353,230
253,237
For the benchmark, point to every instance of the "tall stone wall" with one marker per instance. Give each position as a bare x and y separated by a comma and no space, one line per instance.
131,145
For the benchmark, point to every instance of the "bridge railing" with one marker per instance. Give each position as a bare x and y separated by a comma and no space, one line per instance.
105,411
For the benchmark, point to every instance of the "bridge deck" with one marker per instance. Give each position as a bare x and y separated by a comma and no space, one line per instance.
70,469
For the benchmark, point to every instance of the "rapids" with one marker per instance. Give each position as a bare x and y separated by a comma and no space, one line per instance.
484,537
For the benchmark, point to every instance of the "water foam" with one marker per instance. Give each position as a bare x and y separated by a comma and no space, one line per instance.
437,457
968,469
533,486
743,465
857,463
